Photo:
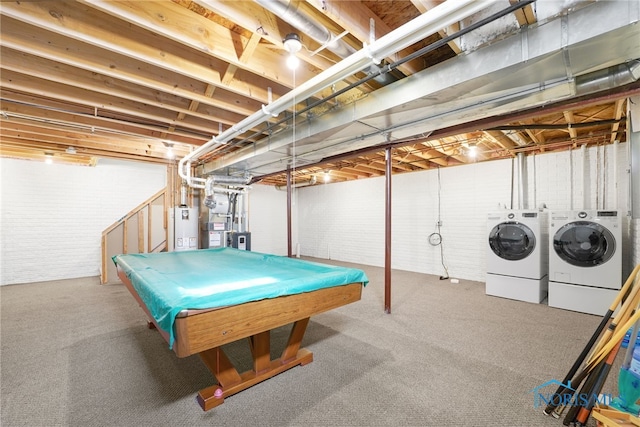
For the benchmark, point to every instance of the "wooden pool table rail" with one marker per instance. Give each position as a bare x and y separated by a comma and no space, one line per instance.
203,332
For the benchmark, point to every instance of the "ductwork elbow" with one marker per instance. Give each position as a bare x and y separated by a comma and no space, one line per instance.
608,78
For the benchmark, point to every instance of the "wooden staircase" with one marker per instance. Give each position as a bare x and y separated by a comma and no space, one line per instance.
142,230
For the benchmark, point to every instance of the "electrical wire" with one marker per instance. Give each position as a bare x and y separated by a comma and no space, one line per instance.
435,238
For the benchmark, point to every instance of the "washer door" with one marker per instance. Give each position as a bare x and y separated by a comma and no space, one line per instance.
584,244
512,240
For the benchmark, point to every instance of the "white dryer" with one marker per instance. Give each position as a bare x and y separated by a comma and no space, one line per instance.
585,260
517,255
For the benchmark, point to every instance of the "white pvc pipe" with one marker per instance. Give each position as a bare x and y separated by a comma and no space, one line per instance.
441,16
570,178
614,198
583,176
521,204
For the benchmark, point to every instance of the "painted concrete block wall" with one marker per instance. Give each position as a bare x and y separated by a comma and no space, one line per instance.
342,222
52,216
268,219
345,221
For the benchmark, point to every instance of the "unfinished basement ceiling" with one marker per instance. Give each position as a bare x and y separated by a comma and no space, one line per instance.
130,79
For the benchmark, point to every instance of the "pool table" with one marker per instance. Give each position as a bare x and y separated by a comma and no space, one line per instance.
237,295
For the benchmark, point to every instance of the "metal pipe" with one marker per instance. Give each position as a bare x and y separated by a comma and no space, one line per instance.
224,179
387,233
301,184
521,204
289,246
183,194
423,51
413,31
608,78
513,178
289,12
583,177
571,178
614,198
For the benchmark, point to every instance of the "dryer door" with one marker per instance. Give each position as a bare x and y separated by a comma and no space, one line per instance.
512,240
584,243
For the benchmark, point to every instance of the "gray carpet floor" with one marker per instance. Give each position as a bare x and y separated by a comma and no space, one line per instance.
78,353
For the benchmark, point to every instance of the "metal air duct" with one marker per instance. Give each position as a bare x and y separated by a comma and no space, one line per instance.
608,78
288,11
439,17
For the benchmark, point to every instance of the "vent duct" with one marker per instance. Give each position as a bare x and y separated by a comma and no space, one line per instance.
608,78
288,11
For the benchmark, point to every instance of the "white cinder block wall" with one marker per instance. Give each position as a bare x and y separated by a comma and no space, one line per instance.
52,216
268,219
345,221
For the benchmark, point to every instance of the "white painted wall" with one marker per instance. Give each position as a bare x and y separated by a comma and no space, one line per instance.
345,221
52,216
268,219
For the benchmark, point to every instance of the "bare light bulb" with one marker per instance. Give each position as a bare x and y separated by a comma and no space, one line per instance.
293,62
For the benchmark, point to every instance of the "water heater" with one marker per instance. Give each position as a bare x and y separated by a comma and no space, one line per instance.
185,235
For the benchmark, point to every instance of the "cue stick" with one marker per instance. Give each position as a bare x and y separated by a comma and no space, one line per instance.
584,390
599,351
585,411
583,355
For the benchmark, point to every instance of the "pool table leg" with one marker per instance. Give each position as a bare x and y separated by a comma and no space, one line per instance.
231,382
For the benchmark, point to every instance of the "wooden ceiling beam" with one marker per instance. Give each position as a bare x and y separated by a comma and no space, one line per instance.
617,115
425,5
183,26
359,20
570,119
96,28
154,157
31,67
427,152
101,103
60,49
85,122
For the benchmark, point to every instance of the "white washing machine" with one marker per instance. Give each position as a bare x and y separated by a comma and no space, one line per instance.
517,266
585,260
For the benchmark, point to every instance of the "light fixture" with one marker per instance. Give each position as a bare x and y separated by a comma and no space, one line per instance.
48,158
473,150
170,154
71,150
293,45
327,177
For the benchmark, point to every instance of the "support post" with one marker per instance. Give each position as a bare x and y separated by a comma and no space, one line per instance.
289,245
387,234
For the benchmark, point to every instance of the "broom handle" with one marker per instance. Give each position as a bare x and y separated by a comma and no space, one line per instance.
633,338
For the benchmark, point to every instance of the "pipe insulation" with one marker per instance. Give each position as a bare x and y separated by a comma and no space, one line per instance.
415,30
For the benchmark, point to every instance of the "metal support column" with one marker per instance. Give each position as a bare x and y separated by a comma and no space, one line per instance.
387,234
289,245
